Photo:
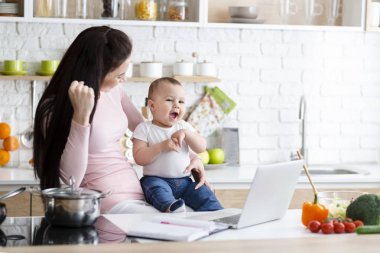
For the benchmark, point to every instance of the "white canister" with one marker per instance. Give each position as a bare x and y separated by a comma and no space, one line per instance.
129,72
151,69
375,14
183,68
205,69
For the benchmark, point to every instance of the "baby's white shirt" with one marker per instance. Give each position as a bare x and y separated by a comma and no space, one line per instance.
170,164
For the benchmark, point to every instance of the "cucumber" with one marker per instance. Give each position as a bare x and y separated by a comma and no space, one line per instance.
368,229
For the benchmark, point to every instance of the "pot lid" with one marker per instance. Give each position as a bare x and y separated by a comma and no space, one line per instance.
80,193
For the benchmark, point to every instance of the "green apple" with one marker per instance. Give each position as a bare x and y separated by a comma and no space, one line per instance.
204,157
216,156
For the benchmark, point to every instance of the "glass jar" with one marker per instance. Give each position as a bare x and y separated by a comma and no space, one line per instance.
81,9
177,10
44,8
110,8
146,9
60,8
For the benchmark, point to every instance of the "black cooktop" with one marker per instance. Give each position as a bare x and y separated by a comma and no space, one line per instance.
28,231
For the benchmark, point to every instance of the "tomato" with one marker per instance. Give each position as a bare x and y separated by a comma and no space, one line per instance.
314,226
358,223
327,227
349,227
339,227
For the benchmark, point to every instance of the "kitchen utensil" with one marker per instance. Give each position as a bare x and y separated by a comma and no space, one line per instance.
308,174
312,9
15,66
27,136
3,208
70,207
243,11
332,11
151,69
287,8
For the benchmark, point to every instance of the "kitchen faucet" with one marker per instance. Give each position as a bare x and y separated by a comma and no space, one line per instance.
302,117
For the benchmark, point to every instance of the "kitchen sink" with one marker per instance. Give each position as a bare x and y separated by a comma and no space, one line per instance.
335,171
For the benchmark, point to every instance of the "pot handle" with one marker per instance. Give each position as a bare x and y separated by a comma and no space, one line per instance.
105,194
12,193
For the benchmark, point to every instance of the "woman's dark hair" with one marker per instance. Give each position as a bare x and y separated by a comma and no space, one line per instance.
95,52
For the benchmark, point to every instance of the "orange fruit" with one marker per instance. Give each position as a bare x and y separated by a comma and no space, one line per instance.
5,130
4,157
11,143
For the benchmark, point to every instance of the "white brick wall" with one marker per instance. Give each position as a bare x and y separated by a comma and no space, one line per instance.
264,71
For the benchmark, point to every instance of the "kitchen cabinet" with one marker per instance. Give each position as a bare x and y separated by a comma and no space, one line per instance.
24,204
235,198
214,13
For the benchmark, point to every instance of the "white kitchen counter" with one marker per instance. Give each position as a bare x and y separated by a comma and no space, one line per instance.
12,178
228,177
289,226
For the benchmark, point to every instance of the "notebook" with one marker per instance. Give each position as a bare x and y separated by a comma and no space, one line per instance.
174,229
268,199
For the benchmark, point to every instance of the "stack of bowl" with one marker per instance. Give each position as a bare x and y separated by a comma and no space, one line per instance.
8,9
244,14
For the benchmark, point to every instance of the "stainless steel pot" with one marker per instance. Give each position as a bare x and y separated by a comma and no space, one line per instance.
72,207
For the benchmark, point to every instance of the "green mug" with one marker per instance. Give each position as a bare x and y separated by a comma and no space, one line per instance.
49,66
15,66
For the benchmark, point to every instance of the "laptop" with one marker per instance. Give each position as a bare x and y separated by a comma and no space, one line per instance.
269,196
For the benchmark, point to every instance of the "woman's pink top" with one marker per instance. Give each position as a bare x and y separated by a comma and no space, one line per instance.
93,154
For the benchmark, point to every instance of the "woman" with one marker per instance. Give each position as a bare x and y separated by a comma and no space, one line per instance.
82,115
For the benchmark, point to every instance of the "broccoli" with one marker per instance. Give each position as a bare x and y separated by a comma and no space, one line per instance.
365,208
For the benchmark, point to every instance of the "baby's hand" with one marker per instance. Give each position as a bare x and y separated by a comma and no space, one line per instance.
178,137
170,145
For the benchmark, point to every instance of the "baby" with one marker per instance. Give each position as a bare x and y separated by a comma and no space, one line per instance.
162,147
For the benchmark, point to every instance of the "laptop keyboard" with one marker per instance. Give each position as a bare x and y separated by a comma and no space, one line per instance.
233,219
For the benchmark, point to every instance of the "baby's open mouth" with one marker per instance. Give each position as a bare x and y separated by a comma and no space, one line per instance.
174,115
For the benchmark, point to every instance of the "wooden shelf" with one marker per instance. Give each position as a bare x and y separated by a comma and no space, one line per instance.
185,79
197,79
25,78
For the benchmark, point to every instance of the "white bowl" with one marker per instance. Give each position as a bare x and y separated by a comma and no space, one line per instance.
337,201
243,11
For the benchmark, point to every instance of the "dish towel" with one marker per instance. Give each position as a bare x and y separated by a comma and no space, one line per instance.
211,111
